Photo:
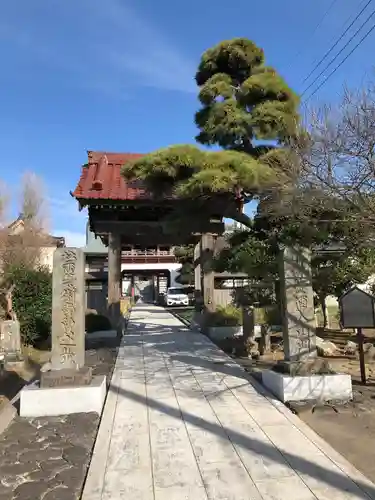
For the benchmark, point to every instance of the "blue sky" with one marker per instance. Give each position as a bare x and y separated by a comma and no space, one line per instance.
117,75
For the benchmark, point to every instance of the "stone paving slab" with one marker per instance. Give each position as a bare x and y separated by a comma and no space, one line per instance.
47,458
183,421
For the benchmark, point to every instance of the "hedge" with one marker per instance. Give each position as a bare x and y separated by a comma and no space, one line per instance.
32,302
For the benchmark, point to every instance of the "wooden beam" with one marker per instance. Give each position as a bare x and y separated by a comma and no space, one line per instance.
114,279
157,228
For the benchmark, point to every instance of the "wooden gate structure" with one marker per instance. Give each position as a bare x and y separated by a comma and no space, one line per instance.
123,213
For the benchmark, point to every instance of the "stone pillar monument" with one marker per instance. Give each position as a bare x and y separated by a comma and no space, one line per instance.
10,341
297,305
197,275
206,274
68,320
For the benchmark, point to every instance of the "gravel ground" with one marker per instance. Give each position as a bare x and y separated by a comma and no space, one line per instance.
47,458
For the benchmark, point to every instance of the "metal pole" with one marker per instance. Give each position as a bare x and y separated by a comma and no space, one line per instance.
361,356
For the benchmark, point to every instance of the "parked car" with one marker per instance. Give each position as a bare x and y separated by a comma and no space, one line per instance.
176,297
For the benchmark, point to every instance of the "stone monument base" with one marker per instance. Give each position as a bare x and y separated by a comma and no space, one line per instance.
327,387
37,401
310,365
67,377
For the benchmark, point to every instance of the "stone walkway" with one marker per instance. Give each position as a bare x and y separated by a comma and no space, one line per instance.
182,421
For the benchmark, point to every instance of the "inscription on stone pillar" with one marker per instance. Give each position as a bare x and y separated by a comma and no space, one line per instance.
207,275
297,304
68,315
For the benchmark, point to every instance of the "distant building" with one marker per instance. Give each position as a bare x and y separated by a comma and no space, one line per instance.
232,226
48,243
148,271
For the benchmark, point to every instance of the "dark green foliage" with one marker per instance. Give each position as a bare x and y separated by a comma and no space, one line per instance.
250,254
272,315
187,172
333,274
96,323
224,316
185,256
255,252
186,276
242,99
32,302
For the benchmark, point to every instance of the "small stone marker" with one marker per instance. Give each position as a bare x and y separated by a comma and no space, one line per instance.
297,305
10,340
68,321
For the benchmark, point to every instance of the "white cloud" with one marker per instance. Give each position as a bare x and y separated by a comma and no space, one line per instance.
105,46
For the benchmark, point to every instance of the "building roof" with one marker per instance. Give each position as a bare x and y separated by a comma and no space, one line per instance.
17,226
101,178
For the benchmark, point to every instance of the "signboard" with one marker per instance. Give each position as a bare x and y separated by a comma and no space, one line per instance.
357,309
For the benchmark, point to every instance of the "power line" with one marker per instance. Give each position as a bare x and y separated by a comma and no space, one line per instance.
339,53
318,25
337,41
342,62
323,18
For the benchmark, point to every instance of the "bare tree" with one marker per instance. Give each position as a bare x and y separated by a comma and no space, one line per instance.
33,203
23,245
337,155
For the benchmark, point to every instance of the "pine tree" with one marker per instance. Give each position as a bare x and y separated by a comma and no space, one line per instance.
248,110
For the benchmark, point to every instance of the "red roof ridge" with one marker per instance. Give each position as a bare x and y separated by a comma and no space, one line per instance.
113,157
97,183
101,178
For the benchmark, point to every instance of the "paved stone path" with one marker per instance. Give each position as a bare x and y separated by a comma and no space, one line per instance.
182,421
47,458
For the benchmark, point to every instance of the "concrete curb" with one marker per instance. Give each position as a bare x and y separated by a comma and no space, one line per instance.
194,327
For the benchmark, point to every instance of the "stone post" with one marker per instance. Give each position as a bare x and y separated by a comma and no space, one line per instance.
114,278
198,292
207,275
297,305
10,341
68,314
248,322
68,321
265,340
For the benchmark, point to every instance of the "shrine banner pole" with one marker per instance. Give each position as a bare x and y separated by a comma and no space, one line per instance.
361,356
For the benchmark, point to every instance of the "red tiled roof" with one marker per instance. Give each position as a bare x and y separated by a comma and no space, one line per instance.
101,178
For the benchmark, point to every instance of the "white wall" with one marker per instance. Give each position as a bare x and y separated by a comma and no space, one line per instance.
173,268
46,257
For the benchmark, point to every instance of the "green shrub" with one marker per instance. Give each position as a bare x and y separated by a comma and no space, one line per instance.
272,315
259,315
96,322
225,316
32,302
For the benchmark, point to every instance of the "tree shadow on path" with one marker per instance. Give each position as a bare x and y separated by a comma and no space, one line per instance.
300,465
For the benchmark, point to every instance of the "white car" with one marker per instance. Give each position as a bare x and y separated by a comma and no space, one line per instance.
176,297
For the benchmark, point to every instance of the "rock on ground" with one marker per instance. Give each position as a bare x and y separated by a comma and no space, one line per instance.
325,347
350,348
